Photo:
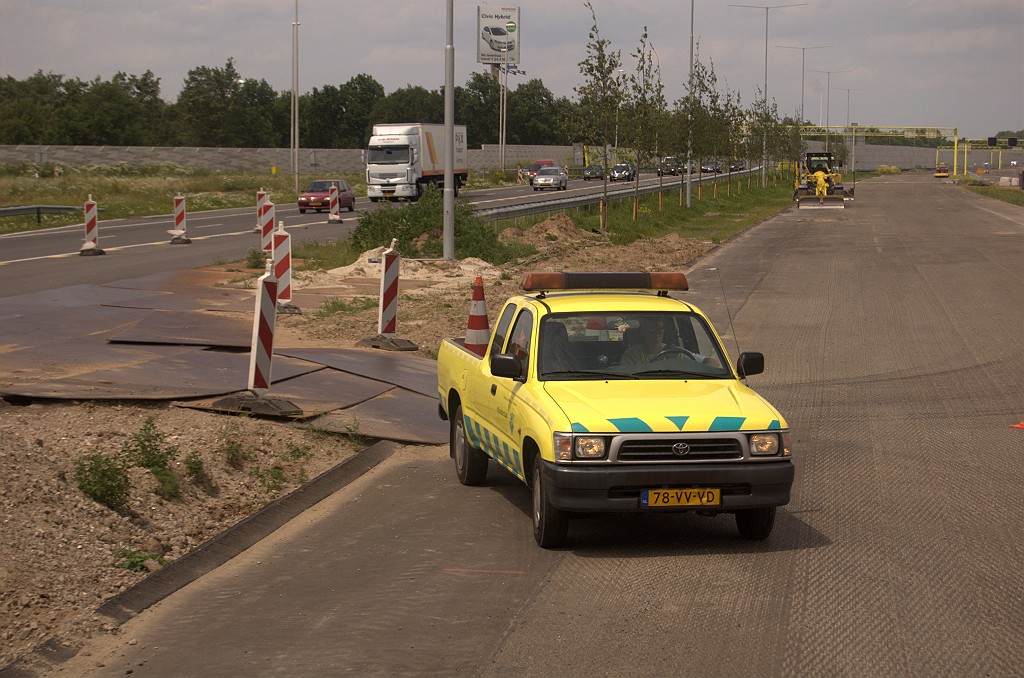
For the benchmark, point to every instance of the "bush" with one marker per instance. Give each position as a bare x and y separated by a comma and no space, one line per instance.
103,479
148,448
419,228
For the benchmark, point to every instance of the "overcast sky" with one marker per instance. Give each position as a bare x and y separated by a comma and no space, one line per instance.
915,63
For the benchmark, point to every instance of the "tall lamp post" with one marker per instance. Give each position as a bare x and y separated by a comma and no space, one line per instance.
854,140
689,118
764,142
828,99
295,97
803,54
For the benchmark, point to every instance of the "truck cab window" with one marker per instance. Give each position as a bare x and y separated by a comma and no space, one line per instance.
501,330
520,339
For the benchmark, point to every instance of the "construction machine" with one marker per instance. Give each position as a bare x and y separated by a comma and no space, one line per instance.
819,185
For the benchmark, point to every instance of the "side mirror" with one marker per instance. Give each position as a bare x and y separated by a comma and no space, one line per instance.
750,364
506,365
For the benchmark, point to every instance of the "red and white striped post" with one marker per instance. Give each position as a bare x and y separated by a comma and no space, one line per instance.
261,199
387,319
335,214
283,268
91,246
179,234
262,354
267,226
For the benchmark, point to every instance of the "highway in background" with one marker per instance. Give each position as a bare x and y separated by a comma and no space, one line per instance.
31,261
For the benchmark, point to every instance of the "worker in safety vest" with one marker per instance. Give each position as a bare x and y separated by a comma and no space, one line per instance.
821,183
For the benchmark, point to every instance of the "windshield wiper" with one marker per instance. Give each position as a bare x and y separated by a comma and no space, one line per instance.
676,373
587,373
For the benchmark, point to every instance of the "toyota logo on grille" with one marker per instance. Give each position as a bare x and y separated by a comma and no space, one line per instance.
680,449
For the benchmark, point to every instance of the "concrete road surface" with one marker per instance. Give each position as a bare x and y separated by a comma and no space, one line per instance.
894,340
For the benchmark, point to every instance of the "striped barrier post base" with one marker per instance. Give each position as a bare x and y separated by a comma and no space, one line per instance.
91,245
179,234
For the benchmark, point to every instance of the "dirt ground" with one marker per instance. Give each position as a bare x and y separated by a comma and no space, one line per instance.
61,553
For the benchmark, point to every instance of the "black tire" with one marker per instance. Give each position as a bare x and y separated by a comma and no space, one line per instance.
374,199
470,462
550,525
352,207
755,524
302,211
319,211
535,188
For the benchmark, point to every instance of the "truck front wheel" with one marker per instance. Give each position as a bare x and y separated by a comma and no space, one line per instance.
550,525
470,462
756,524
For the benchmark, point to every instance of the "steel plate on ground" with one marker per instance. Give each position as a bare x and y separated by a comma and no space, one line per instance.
199,328
180,374
396,415
411,372
315,393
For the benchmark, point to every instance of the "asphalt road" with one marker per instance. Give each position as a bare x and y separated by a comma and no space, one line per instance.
893,340
33,261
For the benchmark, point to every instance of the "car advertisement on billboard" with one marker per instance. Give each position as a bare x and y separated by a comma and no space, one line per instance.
497,35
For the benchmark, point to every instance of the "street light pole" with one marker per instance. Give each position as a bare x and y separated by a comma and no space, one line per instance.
803,54
689,116
828,100
295,97
764,141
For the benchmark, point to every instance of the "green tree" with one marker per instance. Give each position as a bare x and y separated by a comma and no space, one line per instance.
647,102
411,103
600,96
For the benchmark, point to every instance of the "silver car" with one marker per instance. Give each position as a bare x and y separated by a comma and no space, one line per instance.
498,39
550,177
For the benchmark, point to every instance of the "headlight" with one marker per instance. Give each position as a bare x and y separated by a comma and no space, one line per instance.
568,447
764,444
590,447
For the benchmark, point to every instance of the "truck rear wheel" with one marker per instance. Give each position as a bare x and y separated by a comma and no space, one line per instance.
550,525
470,462
755,524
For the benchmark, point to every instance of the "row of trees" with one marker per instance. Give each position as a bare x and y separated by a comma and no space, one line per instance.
217,107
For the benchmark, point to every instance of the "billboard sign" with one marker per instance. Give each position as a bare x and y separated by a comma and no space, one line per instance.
498,35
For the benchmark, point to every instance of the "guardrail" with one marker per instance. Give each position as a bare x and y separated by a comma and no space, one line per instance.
38,210
495,214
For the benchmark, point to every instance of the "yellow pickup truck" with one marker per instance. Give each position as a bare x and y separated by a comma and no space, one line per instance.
604,394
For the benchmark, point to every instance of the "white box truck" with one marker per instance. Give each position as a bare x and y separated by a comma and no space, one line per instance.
402,158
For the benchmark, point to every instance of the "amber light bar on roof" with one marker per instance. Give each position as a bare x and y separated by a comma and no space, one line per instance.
636,280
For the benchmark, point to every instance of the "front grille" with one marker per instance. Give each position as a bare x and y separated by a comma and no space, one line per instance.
699,449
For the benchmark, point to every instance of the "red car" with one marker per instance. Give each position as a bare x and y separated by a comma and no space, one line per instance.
318,196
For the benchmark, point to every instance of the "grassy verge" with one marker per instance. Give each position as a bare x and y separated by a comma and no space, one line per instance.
124,191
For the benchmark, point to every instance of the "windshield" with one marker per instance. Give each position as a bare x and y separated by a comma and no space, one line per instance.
629,345
552,171
497,31
321,187
387,155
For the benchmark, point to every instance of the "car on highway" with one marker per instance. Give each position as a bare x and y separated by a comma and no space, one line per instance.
593,172
671,165
534,167
711,166
551,177
498,39
622,172
317,196
737,166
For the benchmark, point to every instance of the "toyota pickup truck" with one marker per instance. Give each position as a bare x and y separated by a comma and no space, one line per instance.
602,393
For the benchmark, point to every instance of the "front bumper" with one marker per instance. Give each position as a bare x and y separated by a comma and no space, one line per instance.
617,488
390,191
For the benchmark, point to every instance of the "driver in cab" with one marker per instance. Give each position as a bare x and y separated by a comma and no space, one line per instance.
651,346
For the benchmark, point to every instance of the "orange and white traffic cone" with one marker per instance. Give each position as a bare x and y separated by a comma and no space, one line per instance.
478,332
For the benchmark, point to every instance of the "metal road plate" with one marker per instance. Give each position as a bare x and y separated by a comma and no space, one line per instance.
410,372
179,374
315,393
189,328
396,415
